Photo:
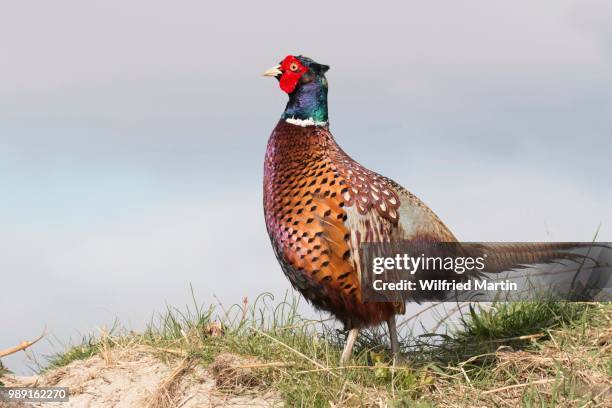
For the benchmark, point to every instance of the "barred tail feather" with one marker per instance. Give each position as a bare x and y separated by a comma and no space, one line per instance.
501,257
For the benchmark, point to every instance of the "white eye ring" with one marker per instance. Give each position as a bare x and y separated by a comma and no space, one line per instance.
293,67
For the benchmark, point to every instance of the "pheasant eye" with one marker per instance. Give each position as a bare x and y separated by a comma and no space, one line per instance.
293,67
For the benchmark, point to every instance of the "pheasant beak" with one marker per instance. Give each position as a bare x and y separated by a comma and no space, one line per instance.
273,72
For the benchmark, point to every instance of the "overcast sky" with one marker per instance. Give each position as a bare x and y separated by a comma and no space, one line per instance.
132,136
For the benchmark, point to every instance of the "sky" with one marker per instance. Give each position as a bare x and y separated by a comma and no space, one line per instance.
132,136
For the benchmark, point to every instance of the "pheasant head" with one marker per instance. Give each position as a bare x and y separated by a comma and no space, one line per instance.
304,81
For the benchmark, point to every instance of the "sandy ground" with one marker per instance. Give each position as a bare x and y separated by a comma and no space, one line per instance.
136,378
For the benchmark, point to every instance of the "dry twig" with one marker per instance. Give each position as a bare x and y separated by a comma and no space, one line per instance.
509,387
22,346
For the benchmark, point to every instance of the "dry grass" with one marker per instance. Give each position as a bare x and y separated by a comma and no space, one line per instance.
167,393
572,368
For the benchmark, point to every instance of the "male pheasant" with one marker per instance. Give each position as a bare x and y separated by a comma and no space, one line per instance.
320,205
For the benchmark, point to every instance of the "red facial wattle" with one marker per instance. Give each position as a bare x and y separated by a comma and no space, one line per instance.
292,70
288,82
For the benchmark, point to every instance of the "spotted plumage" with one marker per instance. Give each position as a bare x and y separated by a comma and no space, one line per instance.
319,206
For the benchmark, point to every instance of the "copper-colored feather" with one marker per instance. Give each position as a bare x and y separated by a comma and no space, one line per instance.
320,205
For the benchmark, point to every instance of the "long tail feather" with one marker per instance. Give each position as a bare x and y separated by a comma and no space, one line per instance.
502,257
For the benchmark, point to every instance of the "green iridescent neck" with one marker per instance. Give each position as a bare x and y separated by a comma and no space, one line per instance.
308,102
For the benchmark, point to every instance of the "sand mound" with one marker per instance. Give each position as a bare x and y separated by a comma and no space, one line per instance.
134,377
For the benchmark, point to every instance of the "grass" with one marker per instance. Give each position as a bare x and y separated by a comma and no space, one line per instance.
485,329
543,354
506,354
89,347
3,371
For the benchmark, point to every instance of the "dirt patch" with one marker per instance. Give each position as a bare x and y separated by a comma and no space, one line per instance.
134,377
235,372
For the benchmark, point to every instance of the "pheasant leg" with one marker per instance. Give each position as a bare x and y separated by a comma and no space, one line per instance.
348,348
393,338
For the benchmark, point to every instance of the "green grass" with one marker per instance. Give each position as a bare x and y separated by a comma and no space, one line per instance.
89,347
3,372
438,368
485,329
507,320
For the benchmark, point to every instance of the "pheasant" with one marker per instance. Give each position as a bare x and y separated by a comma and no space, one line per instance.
320,205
